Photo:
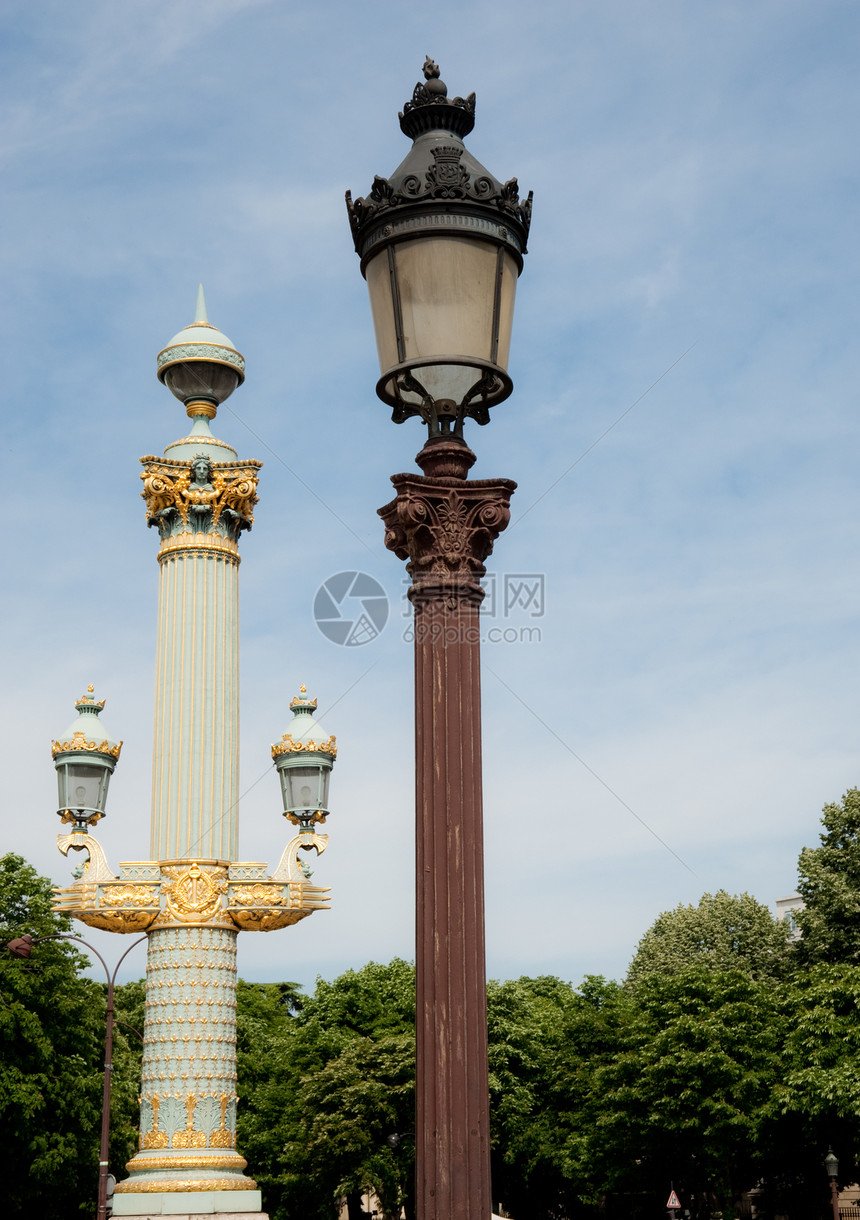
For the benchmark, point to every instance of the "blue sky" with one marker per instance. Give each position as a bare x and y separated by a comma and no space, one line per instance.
692,699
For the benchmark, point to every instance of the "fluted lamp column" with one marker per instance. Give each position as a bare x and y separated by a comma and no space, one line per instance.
441,244
194,895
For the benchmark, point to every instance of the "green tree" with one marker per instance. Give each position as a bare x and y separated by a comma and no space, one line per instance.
724,932
323,1085
830,887
546,1041
268,1082
51,1049
685,1097
815,1099
356,1056
127,1055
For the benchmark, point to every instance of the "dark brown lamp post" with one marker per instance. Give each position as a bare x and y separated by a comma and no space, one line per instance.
441,244
831,1164
22,946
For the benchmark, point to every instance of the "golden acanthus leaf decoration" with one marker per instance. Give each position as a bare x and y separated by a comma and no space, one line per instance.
80,742
287,746
168,485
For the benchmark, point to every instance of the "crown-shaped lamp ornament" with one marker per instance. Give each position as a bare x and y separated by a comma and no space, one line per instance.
84,756
304,758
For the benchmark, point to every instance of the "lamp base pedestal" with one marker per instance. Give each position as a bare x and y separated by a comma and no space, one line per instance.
182,1205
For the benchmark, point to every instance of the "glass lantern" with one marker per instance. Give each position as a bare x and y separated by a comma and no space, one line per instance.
84,758
441,243
304,758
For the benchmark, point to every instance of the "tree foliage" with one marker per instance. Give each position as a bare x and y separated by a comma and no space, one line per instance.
815,1100
51,1049
830,887
545,1041
724,932
322,1088
683,1098
125,1086
726,1061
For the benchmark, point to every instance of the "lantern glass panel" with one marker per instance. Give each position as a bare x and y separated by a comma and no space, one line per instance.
201,378
506,309
382,309
446,287
325,776
302,787
84,787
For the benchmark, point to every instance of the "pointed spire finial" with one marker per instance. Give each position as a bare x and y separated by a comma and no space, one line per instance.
200,311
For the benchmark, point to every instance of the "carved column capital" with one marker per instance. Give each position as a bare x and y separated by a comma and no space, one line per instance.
445,528
199,504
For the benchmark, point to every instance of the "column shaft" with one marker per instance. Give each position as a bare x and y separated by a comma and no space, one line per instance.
445,526
195,778
452,1132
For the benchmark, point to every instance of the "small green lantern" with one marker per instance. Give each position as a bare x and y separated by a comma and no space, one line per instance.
84,756
304,758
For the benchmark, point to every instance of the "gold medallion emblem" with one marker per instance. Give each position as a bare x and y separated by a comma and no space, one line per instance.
193,894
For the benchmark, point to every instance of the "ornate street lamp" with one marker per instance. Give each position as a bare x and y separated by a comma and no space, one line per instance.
304,758
441,244
194,894
831,1164
84,756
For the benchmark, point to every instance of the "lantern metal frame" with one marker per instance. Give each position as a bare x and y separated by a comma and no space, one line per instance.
307,750
65,763
307,763
86,748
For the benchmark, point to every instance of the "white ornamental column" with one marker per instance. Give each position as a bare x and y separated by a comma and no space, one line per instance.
193,896
200,498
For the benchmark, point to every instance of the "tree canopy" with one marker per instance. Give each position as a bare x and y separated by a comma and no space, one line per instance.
682,1098
830,887
324,1086
51,1052
724,932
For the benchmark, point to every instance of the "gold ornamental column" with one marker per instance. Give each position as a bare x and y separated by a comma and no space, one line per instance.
194,896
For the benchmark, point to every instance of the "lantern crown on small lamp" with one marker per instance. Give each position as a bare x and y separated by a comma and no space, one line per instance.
441,243
304,758
84,757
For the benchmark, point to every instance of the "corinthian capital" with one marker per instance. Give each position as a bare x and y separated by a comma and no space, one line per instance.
199,496
445,525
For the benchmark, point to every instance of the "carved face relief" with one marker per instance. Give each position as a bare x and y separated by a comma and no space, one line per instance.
201,471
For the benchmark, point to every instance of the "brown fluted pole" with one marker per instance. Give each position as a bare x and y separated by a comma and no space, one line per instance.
445,525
